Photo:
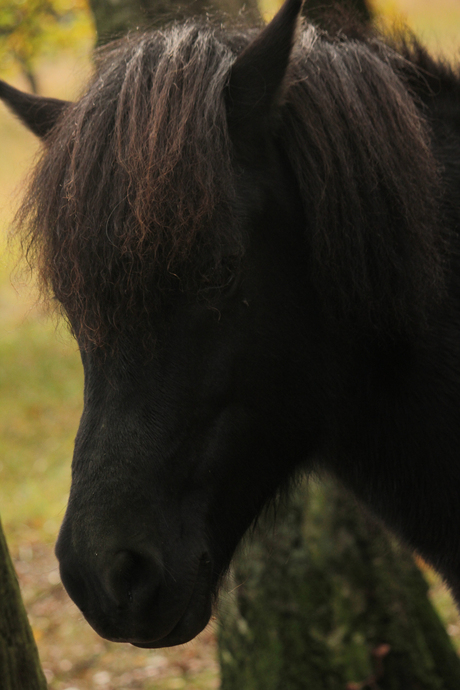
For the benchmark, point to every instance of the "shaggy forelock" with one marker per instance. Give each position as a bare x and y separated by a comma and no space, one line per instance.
134,195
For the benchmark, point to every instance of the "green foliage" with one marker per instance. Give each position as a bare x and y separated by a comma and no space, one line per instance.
32,29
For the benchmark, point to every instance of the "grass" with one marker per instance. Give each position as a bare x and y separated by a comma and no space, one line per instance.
40,404
40,380
40,376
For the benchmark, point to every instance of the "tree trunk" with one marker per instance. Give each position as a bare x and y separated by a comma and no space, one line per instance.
327,600
19,663
316,10
113,18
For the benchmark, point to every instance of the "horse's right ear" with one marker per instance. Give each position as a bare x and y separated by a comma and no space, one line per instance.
256,80
39,114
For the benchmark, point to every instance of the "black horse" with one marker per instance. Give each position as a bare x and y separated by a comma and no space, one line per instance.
254,236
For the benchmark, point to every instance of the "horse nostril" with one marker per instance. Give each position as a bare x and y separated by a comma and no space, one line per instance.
131,576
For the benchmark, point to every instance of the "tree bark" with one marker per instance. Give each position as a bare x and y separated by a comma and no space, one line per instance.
20,667
328,600
316,10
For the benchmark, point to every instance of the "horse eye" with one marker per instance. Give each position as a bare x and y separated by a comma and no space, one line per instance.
230,272
224,284
230,283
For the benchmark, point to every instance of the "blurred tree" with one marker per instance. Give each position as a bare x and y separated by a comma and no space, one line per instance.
317,9
19,663
328,600
115,17
30,29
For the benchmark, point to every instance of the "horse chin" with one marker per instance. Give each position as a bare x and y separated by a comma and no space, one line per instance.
193,620
190,625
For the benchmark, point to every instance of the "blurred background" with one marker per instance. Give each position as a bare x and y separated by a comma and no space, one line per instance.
45,46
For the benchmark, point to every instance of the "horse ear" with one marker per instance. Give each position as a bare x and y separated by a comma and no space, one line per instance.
39,114
256,78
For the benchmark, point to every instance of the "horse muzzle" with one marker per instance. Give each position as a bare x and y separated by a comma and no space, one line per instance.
138,595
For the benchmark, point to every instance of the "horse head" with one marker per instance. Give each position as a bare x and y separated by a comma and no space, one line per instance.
187,412
246,232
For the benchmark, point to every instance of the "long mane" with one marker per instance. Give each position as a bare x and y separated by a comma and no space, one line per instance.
368,178
134,194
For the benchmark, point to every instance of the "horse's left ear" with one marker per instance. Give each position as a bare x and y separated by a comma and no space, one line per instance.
256,78
39,114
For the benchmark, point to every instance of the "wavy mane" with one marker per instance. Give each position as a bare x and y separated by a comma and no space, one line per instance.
134,195
356,135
